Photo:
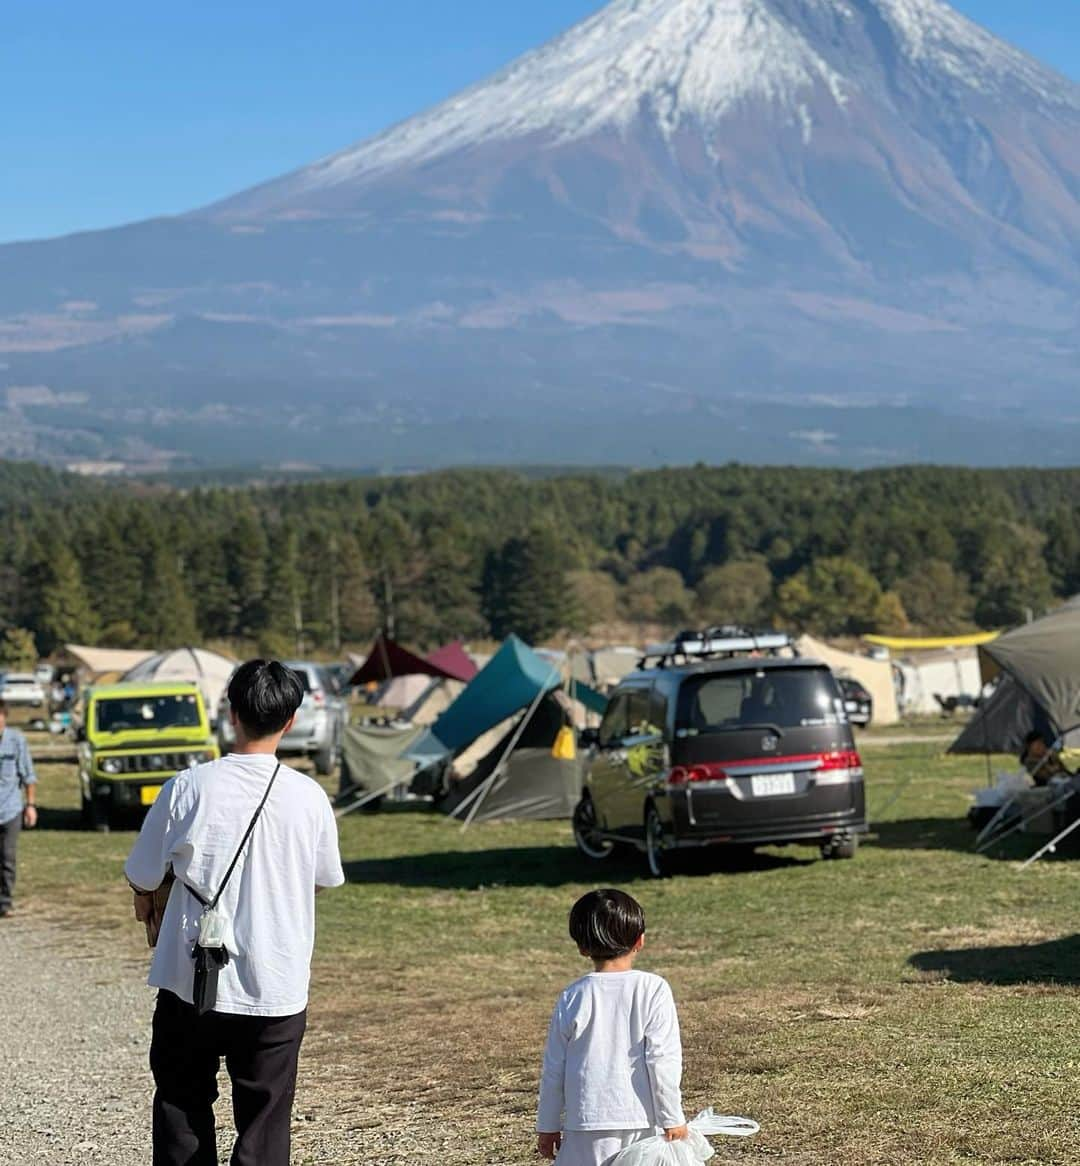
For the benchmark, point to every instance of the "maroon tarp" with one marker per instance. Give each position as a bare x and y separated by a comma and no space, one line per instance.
454,659
388,659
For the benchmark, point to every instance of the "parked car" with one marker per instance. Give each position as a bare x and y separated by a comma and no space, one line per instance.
22,689
858,703
722,740
133,739
320,721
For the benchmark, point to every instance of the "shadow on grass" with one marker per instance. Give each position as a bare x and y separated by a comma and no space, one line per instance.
957,835
543,866
924,834
1057,961
50,818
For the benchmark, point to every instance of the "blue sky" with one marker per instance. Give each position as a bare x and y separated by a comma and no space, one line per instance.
121,109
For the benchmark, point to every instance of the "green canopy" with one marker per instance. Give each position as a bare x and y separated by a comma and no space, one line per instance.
1039,686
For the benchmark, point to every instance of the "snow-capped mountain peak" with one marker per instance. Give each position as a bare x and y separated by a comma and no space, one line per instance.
681,63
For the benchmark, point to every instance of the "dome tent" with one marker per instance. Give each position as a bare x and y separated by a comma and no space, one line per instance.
211,671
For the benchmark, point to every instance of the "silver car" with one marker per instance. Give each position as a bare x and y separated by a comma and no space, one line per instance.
22,688
320,720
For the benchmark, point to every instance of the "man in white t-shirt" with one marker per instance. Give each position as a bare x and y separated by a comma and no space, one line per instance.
194,830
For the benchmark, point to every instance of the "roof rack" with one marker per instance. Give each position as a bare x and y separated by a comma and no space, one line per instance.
718,643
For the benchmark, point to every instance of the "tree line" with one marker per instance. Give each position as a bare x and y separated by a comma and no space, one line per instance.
479,553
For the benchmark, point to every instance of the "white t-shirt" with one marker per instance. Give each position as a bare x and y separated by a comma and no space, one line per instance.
613,1059
196,825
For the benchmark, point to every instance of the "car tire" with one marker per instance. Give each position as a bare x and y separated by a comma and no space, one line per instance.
585,832
657,854
326,760
97,817
844,847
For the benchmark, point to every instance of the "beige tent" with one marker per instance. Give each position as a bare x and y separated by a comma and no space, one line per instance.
211,671
99,662
876,676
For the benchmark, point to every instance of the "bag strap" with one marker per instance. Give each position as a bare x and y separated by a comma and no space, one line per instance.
212,903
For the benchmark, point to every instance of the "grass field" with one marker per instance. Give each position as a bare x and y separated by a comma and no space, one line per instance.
917,1005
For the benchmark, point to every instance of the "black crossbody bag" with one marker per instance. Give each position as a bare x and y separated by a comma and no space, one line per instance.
210,960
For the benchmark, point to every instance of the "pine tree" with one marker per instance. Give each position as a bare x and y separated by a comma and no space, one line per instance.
66,613
285,596
527,587
168,612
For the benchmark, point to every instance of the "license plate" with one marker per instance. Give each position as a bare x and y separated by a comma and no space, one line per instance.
148,794
771,785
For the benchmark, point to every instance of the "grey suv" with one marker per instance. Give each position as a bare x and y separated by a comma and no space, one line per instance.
723,740
320,720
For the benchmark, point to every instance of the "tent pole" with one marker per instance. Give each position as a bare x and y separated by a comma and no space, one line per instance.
363,800
1060,801
980,844
341,811
466,801
485,789
1052,845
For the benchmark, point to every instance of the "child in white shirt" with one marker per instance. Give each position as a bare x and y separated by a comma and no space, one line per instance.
613,1060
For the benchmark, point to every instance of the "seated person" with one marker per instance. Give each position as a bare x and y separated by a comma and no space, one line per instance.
1040,760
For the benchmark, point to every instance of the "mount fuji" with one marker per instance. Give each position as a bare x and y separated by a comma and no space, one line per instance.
798,230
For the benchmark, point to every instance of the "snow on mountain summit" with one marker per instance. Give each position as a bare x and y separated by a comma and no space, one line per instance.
690,62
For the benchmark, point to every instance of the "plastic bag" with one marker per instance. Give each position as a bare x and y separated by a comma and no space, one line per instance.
692,1150
565,747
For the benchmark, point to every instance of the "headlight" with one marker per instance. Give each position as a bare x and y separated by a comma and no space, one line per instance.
197,758
155,761
112,765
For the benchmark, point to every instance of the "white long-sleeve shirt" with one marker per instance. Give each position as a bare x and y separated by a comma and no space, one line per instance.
613,1059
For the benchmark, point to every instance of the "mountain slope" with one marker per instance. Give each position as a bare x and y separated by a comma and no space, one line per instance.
818,204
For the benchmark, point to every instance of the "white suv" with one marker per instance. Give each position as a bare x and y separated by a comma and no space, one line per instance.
22,688
320,720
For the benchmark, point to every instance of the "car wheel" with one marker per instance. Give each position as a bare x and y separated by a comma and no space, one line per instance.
657,853
586,835
842,846
326,761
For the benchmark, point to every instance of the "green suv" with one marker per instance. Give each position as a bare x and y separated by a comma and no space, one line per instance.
135,737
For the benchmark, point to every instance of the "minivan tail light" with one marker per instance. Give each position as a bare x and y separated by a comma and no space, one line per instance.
717,771
841,759
685,774
318,698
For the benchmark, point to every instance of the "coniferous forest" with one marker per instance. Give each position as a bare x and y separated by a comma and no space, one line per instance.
319,565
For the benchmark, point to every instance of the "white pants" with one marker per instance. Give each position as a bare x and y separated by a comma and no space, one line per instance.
596,1147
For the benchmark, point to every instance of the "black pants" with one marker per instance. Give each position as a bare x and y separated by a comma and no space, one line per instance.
9,839
185,1056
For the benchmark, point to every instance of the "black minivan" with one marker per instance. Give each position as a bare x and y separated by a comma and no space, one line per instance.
722,739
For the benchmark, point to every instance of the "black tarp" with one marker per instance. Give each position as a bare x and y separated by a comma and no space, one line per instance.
532,783
1038,671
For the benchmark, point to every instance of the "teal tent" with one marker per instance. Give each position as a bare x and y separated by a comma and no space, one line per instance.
510,681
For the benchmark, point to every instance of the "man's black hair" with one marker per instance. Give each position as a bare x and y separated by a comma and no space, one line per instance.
606,924
265,695
1032,737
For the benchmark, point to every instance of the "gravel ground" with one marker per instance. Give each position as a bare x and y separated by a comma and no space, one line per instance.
74,1081
76,1086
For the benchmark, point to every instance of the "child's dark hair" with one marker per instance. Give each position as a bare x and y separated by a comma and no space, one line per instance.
606,924
265,694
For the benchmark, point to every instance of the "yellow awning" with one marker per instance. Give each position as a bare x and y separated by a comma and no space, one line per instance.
930,643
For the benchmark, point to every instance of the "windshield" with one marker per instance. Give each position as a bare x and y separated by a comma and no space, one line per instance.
117,714
786,699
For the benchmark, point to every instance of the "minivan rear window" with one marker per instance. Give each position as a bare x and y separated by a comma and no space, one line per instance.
726,701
